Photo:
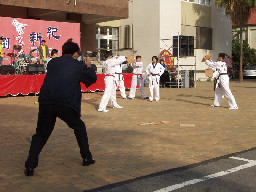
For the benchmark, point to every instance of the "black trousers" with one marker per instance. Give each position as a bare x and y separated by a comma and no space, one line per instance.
45,124
164,79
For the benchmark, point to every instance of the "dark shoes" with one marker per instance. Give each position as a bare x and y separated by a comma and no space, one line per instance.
29,172
146,98
88,161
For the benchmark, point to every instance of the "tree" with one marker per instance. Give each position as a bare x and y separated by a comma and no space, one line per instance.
239,12
249,54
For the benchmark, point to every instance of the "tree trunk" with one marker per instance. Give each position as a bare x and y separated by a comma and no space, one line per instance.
241,55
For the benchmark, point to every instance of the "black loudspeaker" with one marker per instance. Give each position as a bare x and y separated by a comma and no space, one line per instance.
7,70
35,69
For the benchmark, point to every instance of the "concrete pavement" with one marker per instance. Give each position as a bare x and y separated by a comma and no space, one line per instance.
122,148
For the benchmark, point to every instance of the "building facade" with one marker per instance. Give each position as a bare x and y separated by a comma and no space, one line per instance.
152,27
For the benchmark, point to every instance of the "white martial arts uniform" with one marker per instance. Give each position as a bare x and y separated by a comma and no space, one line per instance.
155,71
120,80
109,67
222,86
137,79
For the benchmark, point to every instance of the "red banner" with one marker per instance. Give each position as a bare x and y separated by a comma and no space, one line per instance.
28,33
25,84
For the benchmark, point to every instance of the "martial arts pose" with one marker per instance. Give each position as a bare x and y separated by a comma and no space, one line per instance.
60,96
222,85
154,70
137,79
109,67
120,80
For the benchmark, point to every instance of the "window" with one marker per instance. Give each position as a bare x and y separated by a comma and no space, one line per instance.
103,30
185,45
201,2
107,39
203,38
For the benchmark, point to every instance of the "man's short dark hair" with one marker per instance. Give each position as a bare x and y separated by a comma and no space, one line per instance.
43,41
69,48
1,38
108,54
54,51
155,58
222,55
138,56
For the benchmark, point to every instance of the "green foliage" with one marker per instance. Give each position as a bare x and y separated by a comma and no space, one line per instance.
238,10
249,54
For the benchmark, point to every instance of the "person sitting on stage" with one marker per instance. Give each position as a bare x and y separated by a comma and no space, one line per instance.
60,96
109,67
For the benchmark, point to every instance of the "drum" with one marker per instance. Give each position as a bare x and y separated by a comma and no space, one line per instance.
28,58
34,59
20,65
21,56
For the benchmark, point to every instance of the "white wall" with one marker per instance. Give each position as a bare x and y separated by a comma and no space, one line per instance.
170,22
222,31
145,18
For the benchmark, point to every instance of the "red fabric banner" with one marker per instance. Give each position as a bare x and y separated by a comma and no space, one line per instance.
25,84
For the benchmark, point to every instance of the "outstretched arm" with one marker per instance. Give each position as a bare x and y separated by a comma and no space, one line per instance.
115,61
210,64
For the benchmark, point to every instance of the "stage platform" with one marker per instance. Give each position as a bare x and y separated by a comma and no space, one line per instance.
30,84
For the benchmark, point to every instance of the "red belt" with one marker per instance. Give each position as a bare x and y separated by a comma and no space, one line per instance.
138,75
110,75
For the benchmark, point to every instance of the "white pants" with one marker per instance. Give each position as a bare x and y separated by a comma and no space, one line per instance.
224,90
109,93
154,85
120,84
137,79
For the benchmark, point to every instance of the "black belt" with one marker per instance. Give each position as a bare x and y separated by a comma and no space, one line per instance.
223,74
154,74
119,76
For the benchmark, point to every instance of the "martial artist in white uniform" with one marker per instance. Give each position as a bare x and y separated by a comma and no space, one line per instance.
137,79
120,80
109,67
154,70
222,85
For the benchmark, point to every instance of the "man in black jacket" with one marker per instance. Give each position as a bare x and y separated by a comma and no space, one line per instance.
60,96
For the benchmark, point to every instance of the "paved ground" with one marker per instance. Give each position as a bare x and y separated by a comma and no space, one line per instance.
124,149
233,172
